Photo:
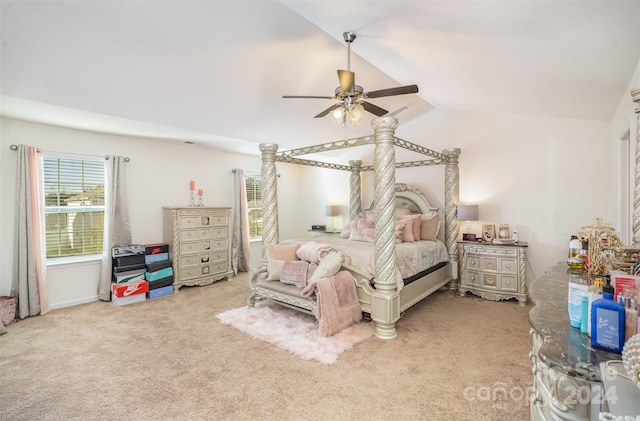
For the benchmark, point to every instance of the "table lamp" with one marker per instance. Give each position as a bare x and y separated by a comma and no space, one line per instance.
332,211
468,213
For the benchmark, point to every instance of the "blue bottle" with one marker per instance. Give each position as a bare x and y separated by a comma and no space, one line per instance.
607,321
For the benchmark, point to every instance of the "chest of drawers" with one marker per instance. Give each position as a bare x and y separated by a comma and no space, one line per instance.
494,272
199,244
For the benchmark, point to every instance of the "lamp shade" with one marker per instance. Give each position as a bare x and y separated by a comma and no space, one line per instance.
468,212
332,210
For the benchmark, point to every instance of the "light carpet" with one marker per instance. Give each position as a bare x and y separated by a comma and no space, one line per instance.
294,331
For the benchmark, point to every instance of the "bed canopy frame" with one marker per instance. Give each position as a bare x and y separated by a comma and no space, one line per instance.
385,302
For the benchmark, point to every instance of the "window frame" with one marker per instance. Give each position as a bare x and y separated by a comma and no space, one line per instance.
87,185
250,208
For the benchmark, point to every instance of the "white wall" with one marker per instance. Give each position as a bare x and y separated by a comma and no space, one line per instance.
158,175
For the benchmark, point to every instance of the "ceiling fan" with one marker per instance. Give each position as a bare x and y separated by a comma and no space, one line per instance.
352,99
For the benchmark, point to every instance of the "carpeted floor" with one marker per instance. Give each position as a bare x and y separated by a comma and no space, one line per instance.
171,359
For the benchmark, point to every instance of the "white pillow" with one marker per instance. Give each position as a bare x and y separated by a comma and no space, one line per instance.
328,266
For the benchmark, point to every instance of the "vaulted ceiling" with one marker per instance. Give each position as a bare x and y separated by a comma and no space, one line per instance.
214,72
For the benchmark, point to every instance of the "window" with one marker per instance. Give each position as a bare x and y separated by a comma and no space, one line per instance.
73,205
253,183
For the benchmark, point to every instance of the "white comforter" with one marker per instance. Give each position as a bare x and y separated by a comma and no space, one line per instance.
411,258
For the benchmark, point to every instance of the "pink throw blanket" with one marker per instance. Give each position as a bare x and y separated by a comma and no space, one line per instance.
312,251
338,305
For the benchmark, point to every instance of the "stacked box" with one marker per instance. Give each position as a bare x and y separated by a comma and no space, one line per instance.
159,270
128,271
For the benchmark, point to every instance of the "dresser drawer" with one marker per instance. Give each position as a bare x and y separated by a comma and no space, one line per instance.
219,244
489,280
508,283
218,255
221,219
189,247
205,233
219,267
489,263
188,221
189,235
508,266
189,260
473,263
220,232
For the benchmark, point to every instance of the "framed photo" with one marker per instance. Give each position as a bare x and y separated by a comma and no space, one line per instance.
488,232
503,232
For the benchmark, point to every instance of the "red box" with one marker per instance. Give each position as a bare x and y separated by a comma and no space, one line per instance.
130,288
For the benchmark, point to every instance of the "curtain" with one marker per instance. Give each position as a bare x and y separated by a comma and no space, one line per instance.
240,225
117,229
30,267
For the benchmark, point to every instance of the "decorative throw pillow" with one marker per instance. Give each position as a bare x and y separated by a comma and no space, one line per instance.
295,272
282,251
346,231
399,232
8,305
407,230
328,266
365,223
274,269
429,227
416,218
363,234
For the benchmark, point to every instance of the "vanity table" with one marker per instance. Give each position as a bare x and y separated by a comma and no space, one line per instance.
567,378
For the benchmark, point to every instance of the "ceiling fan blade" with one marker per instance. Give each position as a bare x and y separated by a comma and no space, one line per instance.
347,80
328,110
402,90
374,109
307,96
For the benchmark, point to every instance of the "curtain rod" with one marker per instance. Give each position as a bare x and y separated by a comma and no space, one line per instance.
15,148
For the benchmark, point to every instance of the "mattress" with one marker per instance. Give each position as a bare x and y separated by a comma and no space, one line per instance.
412,259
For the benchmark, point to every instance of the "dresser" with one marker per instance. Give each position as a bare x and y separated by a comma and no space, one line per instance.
567,378
199,244
493,271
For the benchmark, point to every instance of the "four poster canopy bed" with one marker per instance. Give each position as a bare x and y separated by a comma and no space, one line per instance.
386,284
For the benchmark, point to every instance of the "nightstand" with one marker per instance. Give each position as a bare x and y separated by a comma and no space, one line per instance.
318,233
493,271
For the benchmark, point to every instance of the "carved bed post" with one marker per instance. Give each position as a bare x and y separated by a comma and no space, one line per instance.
451,198
635,95
385,304
355,203
269,197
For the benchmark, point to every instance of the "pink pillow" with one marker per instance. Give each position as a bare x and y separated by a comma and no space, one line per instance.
399,232
365,223
282,251
363,234
416,217
429,227
407,233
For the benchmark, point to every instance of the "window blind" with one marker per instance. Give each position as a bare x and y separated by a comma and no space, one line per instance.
74,205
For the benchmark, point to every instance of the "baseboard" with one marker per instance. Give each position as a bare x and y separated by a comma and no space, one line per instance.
72,303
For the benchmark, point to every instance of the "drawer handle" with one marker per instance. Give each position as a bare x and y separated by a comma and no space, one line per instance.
489,265
473,263
508,266
508,282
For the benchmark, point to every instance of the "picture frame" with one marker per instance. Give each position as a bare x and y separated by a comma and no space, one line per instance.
488,232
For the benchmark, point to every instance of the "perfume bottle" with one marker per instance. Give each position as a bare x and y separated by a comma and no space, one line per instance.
595,293
607,321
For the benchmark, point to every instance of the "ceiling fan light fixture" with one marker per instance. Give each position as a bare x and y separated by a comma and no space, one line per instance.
356,113
338,114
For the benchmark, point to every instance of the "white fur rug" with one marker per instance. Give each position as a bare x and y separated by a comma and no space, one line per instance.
294,331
